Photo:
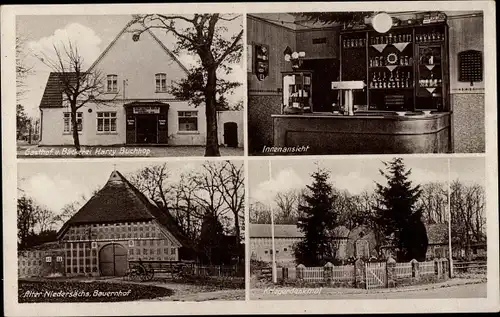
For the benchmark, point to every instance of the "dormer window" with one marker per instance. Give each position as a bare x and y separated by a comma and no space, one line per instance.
161,82
112,83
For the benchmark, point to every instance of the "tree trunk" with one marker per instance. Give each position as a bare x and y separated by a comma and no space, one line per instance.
212,144
236,228
74,125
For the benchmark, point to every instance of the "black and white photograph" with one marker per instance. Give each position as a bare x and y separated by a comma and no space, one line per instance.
365,82
131,85
204,158
103,232
368,228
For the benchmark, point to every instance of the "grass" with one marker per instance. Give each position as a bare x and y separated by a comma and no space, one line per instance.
48,291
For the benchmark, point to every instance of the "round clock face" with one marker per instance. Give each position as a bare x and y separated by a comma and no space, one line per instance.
392,58
135,37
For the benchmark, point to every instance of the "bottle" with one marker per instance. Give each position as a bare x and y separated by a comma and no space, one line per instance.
398,83
384,82
408,81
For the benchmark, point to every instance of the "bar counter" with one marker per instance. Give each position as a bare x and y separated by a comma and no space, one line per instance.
364,132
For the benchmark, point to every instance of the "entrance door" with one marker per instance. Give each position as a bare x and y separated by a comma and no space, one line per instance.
324,72
113,260
146,129
231,134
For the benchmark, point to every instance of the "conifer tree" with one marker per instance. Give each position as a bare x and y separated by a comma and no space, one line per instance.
317,219
398,215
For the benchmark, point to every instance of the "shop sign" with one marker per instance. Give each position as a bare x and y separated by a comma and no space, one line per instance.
146,110
130,121
162,121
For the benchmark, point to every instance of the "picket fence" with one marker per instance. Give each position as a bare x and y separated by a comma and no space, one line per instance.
217,271
367,275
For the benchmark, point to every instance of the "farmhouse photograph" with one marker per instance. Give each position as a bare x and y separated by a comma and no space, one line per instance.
88,83
166,231
367,228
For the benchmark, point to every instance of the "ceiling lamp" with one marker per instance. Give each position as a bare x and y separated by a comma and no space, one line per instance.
382,22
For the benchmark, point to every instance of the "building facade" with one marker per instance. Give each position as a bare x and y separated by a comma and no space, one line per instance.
136,106
117,225
285,239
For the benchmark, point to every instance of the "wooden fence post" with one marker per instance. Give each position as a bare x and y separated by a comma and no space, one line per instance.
359,274
328,273
284,273
300,272
415,273
390,273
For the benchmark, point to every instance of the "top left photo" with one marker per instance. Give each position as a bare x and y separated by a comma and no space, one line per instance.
152,85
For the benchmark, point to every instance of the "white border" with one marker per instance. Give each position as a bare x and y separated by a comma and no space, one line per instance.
491,303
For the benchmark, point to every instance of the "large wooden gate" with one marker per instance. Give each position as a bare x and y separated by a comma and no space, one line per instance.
113,260
376,275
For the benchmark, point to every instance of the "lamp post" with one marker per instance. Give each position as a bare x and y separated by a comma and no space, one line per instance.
273,247
450,251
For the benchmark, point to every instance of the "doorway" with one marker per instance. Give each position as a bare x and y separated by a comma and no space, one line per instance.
324,72
113,260
147,129
231,134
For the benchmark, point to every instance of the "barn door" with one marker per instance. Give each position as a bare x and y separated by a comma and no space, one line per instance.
113,260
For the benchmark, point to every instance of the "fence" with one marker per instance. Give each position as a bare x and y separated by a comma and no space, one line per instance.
215,271
469,267
368,275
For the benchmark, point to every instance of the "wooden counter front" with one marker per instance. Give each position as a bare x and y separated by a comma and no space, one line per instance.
364,133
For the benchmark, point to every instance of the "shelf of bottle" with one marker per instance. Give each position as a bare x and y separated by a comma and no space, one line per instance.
349,47
400,88
429,86
385,66
435,64
393,43
430,42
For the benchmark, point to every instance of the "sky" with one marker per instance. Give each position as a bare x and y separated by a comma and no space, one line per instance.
354,174
53,185
92,34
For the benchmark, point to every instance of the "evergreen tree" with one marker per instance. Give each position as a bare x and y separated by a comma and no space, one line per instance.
210,240
317,219
397,213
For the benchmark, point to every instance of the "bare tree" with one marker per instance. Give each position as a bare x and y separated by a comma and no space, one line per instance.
468,222
232,190
434,201
206,38
79,87
151,181
22,70
259,213
287,202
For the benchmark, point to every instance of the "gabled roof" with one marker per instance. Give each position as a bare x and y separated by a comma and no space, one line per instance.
53,93
123,31
120,201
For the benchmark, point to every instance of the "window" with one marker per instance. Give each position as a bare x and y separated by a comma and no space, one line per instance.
68,127
285,249
188,120
112,83
59,259
48,259
172,251
94,245
106,122
161,82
